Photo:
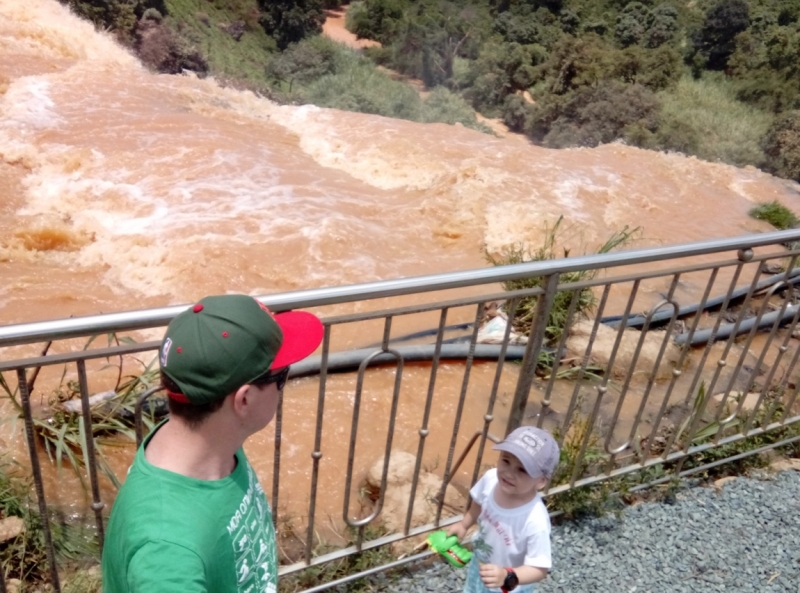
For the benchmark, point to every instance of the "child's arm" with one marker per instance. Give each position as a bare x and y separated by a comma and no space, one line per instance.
460,528
493,576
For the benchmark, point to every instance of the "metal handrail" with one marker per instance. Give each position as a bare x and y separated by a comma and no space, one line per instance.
26,333
732,254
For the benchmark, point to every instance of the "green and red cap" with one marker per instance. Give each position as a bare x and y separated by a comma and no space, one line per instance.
224,342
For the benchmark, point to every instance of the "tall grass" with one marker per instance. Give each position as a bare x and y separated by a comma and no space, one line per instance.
702,117
552,248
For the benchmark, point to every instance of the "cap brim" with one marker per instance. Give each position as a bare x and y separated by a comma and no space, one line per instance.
302,334
520,454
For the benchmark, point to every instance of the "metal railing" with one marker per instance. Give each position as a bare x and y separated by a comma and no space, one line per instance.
678,379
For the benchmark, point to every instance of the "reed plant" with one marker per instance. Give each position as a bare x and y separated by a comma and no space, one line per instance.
550,249
63,433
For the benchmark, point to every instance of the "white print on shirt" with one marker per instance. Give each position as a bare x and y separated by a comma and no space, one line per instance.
490,522
253,538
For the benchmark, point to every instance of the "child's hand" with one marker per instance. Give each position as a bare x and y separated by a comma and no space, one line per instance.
493,576
457,529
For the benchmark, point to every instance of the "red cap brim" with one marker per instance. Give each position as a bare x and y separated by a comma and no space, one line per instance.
302,334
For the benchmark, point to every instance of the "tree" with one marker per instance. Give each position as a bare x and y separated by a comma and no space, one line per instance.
723,22
432,35
631,24
594,115
502,69
579,61
380,20
662,24
119,16
289,21
782,146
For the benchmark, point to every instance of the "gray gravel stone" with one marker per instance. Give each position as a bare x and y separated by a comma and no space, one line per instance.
743,538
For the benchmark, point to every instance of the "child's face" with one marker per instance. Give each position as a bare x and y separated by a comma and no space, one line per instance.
514,480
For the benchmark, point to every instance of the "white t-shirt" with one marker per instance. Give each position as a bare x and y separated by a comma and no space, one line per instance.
510,537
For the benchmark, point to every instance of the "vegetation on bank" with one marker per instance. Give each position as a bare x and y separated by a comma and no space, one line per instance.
718,79
552,247
776,214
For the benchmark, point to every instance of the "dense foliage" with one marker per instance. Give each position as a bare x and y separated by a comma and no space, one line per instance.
719,79
571,73
290,21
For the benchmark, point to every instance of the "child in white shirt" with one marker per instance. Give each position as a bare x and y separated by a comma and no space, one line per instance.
512,545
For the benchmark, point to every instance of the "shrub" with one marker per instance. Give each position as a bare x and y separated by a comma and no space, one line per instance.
361,87
677,135
594,115
289,21
662,24
500,70
552,247
579,61
661,68
165,51
444,106
631,24
776,214
517,113
152,14
305,61
782,146
328,74
705,117
763,89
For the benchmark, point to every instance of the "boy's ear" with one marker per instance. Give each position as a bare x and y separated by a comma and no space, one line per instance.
541,482
240,401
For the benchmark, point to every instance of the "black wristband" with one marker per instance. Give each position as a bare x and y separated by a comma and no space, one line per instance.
511,581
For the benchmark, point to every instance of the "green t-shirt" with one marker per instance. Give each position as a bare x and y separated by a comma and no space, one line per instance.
173,534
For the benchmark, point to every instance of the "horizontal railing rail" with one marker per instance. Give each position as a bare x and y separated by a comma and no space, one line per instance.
42,331
627,376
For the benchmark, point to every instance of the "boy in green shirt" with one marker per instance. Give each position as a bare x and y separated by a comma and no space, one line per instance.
191,516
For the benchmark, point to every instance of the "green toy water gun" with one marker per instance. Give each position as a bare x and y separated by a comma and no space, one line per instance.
449,548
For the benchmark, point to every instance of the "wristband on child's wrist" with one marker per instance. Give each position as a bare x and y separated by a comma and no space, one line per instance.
511,581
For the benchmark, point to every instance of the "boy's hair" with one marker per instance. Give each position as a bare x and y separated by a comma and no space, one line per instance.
192,414
535,448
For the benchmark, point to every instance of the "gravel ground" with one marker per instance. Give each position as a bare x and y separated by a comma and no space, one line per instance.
743,537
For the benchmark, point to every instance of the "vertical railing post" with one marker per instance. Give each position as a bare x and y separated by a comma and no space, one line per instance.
24,396
527,371
91,461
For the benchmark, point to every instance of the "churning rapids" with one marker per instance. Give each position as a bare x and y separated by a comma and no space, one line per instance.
123,189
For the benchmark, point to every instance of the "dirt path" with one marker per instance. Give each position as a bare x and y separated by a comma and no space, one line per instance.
335,29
